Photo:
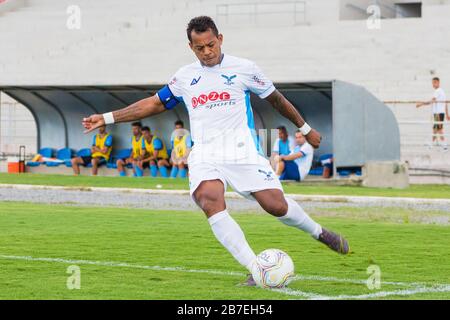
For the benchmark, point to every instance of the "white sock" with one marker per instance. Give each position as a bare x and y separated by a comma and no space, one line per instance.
297,217
230,235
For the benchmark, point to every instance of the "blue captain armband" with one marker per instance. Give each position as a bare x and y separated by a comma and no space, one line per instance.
167,98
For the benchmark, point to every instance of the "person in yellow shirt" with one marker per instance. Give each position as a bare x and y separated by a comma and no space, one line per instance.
154,155
136,147
181,146
100,152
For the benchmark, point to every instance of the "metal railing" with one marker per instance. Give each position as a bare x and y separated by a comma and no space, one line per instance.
257,11
417,130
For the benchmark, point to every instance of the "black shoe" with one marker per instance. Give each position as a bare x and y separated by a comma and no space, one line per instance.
334,241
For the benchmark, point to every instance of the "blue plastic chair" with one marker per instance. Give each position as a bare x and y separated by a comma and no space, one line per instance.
64,154
316,171
45,152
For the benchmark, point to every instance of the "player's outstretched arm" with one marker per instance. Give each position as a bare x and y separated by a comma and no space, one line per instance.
138,110
280,103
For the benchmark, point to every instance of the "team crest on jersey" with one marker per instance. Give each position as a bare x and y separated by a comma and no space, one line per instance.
195,81
268,174
229,79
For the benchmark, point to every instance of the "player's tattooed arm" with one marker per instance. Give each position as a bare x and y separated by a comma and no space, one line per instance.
286,109
136,111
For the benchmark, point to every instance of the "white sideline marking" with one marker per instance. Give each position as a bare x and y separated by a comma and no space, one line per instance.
234,195
417,287
122,264
404,292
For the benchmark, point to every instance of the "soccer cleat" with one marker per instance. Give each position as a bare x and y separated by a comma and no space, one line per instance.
250,282
334,241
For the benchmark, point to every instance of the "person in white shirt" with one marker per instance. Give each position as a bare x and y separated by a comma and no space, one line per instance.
302,157
440,112
216,93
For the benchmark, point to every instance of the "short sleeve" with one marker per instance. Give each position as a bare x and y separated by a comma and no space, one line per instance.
188,141
176,86
258,83
157,144
172,137
306,149
276,146
109,141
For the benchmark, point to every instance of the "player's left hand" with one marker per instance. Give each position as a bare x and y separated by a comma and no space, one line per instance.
314,138
93,122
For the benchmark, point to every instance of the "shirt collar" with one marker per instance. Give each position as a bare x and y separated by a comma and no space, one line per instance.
222,56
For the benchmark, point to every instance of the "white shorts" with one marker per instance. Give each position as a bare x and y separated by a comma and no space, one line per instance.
243,178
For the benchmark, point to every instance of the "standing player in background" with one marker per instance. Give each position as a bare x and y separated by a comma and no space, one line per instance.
136,147
181,146
440,111
100,152
216,91
154,155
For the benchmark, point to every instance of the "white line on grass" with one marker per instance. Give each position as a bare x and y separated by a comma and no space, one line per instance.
404,292
417,287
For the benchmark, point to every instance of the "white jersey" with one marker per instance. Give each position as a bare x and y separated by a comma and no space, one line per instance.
218,102
304,163
439,95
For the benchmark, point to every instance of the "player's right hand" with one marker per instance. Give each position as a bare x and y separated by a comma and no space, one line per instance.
93,122
314,138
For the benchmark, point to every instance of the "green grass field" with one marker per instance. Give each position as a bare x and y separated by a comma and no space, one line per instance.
416,191
145,254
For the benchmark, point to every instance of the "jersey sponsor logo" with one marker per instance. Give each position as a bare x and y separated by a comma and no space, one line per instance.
195,81
212,99
229,79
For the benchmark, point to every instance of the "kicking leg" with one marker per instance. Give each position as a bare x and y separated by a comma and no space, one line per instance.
209,196
290,213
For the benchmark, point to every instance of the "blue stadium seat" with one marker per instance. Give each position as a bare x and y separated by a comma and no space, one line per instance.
45,152
116,155
344,173
85,152
316,171
64,154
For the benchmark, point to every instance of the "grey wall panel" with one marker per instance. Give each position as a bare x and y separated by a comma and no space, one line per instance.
50,123
364,128
74,111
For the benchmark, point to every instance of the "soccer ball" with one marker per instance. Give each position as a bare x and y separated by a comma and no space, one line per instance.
273,268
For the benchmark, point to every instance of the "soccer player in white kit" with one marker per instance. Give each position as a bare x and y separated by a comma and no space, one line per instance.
216,91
